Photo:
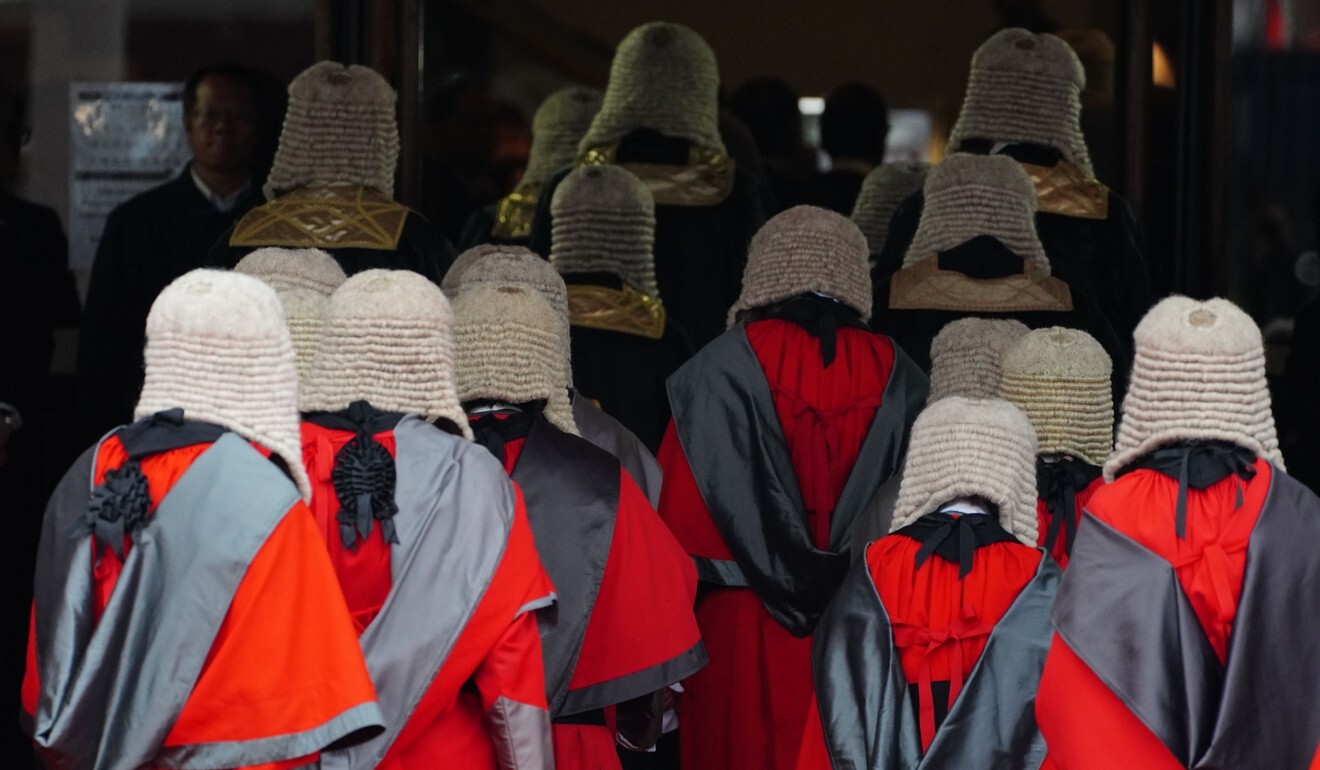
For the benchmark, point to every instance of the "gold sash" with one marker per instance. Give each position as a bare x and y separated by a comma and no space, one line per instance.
626,311
705,180
326,217
513,214
1065,189
924,286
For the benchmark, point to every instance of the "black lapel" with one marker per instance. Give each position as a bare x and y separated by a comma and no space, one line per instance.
571,490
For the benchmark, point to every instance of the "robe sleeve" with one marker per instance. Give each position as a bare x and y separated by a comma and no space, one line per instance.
285,665
1086,726
511,678
511,682
681,506
642,635
500,651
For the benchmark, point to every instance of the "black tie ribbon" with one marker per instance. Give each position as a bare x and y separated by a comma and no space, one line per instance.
936,533
493,430
1057,484
1198,465
821,317
119,506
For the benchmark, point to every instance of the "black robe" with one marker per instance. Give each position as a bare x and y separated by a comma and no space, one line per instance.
149,240
625,373
477,230
700,251
836,190
34,263
985,257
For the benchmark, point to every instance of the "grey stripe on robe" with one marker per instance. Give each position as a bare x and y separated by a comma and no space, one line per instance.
139,663
456,509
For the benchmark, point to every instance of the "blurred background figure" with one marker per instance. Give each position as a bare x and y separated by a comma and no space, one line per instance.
557,127
39,298
768,106
331,186
853,129
461,121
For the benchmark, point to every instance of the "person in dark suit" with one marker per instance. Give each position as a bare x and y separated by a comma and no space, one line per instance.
157,236
39,297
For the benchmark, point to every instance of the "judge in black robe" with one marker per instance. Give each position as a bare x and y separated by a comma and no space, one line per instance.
700,251
1095,248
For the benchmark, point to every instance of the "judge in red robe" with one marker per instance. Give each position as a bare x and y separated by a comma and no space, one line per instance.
1179,643
405,503
623,629
930,654
1061,379
186,614
769,422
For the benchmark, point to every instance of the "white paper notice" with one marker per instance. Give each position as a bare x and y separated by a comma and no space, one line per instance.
126,138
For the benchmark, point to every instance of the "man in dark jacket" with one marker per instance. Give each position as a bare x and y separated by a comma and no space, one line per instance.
155,237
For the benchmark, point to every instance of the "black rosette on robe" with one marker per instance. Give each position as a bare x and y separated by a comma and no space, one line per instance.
364,479
119,506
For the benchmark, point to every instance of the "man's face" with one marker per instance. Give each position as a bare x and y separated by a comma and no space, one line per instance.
222,127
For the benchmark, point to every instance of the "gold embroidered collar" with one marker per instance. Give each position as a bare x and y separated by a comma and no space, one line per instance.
924,286
513,214
705,180
625,310
324,216
1065,189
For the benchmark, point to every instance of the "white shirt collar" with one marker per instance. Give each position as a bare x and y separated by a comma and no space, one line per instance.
222,203
965,507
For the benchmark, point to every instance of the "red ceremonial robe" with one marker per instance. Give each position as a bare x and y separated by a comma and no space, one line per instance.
941,620
285,660
1083,720
641,620
494,667
746,709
